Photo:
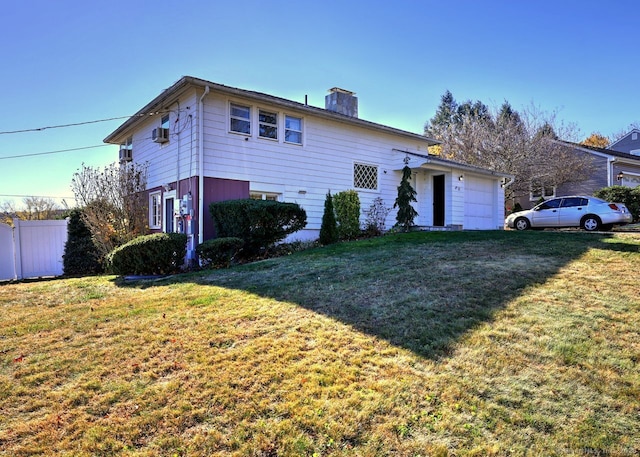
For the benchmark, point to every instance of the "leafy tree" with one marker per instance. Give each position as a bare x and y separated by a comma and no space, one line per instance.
329,226
597,140
114,203
406,195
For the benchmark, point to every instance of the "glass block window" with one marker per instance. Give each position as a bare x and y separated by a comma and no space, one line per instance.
268,125
293,129
240,119
365,176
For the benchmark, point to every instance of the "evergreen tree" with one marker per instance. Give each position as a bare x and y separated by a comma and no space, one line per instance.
406,195
444,115
81,256
329,227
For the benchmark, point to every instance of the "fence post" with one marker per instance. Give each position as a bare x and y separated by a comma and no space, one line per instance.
16,247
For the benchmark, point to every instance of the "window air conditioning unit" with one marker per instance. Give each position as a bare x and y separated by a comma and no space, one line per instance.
126,155
160,135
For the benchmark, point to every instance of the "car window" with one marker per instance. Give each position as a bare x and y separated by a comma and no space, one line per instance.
555,203
573,201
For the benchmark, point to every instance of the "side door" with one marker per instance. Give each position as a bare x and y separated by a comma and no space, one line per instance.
546,214
571,211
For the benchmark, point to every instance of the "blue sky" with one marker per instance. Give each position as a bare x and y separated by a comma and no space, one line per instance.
71,61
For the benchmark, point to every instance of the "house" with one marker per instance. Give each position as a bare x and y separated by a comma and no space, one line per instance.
629,143
205,142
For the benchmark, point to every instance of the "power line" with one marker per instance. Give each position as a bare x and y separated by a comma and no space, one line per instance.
36,196
39,129
56,152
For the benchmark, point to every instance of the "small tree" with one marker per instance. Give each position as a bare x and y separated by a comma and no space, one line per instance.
376,217
329,227
114,203
347,208
406,195
81,257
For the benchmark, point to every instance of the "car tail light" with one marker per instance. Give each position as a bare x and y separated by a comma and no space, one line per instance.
614,207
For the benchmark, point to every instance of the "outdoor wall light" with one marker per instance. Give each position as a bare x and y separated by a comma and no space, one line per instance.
167,187
620,176
461,178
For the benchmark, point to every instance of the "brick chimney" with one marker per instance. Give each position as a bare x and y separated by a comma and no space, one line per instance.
342,101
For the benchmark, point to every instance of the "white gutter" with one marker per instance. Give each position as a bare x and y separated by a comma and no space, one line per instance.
201,166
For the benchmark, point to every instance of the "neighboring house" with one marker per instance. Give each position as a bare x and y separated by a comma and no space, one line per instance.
630,143
610,167
206,142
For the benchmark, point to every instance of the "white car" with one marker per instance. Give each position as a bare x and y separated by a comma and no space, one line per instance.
589,213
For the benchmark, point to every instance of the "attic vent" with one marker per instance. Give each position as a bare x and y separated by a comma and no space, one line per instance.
342,101
634,136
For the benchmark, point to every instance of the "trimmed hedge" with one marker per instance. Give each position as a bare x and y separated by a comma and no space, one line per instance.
157,254
218,252
260,223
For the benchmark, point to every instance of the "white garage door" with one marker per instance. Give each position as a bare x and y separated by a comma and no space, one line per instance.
480,204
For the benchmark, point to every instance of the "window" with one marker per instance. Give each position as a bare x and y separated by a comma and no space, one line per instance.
155,210
268,125
365,176
540,190
164,123
293,129
264,196
240,119
574,201
550,204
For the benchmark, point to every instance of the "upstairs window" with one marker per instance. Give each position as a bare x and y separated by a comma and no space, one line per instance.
268,125
365,176
240,119
293,129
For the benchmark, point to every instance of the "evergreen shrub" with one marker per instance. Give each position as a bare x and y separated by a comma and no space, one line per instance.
156,254
329,226
218,252
347,208
259,223
630,196
81,256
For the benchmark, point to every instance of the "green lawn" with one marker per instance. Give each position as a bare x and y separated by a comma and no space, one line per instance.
433,344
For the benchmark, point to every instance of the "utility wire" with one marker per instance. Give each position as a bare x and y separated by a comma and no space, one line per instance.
56,152
39,129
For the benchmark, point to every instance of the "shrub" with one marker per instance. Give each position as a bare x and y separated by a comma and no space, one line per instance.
377,214
630,196
81,256
406,195
329,227
218,252
259,223
160,253
347,207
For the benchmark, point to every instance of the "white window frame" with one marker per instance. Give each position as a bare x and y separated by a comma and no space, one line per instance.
267,124
258,195
377,174
542,194
287,129
233,117
155,210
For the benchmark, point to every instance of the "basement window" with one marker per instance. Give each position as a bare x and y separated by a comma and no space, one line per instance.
365,176
240,119
264,196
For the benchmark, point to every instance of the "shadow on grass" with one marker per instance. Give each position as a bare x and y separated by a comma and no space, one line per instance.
420,291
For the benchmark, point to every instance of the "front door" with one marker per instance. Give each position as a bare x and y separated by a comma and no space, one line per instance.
438,201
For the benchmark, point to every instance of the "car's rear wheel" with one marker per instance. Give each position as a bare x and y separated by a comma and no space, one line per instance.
522,224
591,223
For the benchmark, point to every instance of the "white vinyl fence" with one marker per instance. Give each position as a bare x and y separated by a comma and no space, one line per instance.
32,249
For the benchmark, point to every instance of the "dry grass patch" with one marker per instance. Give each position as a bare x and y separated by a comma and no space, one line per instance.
420,344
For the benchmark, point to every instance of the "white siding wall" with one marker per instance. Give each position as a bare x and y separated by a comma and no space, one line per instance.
304,173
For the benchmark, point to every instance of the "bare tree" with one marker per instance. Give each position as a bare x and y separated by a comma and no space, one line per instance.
523,144
39,208
113,201
7,212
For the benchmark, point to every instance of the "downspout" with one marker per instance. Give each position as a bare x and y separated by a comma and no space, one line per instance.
201,166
